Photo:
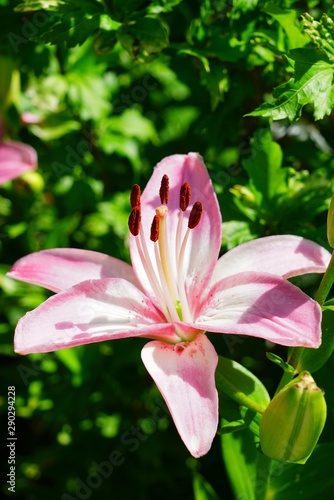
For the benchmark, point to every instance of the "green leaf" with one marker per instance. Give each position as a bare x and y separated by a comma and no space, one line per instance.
241,385
75,23
87,91
236,232
312,83
126,10
7,65
146,36
158,6
288,20
313,359
199,54
104,41
228,48
279,362
131,123
202,489
245,5
55,127
252,421
31,5
70,358
314,479
177,121
264,168
240,455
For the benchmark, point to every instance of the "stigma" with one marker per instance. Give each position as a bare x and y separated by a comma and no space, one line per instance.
164,266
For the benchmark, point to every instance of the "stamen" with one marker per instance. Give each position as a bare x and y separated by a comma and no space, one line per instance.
164,190
145,258
185,194
168,299
194,219
135,196
134,221
155,229
195,215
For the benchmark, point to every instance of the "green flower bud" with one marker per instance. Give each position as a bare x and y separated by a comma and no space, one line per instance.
330,223
34,180
244,194
293,421
7,67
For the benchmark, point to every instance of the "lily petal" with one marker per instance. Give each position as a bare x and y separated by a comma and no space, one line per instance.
15,159
61,268
200,257
261,305
185,376
284,255
91,311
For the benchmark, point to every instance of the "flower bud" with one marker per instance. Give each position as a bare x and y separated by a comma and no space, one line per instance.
293,421
330,223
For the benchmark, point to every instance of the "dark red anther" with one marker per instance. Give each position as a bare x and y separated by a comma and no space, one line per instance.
164,190
134,221
185,194
195,215
155,229
135,196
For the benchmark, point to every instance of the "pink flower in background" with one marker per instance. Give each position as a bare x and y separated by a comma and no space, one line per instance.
16,158
175,291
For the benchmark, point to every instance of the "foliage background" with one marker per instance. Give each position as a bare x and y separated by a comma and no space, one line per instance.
116,86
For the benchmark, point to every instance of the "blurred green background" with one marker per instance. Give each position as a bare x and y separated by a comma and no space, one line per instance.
103,90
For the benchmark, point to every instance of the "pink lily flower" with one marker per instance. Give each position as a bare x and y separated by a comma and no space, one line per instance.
15,159
175,291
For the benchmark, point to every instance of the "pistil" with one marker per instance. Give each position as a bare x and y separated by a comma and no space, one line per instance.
162,213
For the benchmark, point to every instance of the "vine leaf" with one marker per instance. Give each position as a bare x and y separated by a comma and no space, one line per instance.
312,84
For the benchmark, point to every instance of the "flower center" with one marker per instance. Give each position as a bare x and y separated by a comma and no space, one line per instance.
166,274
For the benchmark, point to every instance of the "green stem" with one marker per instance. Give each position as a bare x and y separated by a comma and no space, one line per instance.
293,360
326,283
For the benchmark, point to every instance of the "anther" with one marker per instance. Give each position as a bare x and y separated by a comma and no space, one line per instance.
195,215
164,190
135,196
155,229
185,194
134,221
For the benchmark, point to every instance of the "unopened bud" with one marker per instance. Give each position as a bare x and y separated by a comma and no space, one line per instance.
293,421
